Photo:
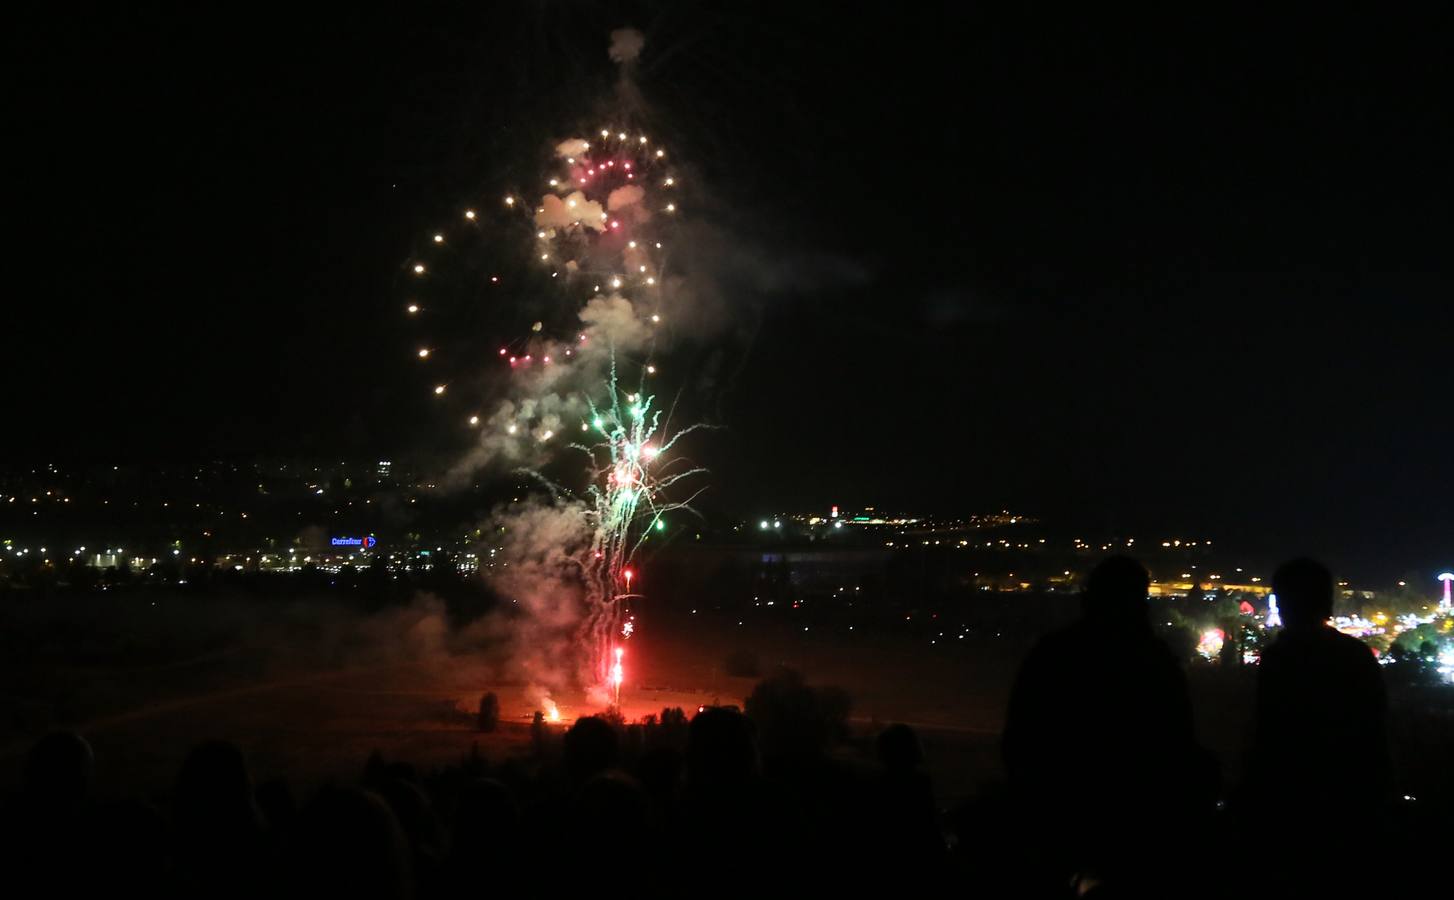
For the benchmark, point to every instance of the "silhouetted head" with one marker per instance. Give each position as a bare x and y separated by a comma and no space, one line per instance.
485,819
590,746
214,784
277,804
1304,589
721,748
414,813
610,810
58,769
899,750
349,844
1116,590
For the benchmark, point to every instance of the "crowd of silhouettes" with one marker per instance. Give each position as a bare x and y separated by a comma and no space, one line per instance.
1108,792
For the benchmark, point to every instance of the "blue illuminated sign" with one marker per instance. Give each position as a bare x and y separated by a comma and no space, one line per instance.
364,542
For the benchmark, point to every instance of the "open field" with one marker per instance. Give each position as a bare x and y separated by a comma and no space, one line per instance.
310,687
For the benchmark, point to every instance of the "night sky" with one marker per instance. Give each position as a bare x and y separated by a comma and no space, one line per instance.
1140,273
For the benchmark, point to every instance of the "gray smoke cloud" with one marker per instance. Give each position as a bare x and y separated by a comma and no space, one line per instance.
626,45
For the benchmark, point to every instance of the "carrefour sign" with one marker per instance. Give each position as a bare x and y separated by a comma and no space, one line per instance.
364,542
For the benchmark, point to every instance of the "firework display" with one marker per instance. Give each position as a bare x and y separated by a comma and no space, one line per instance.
598,255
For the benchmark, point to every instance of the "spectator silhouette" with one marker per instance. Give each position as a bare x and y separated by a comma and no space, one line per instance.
52,827
1098,741
904,821
349,844
58,771
726,805
1320,764
423,832
485,841
221,841
590,748
606,823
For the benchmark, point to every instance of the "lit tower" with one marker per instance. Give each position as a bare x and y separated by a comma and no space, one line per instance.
1274,617
1446,604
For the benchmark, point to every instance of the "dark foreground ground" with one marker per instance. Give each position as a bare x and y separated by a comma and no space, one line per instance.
351,763
308,687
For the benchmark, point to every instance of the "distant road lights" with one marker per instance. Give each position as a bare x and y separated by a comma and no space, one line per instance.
438,389
439,239
419,268
469,214
423,352
474,420
412,308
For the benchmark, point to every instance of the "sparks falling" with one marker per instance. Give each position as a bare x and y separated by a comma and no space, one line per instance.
594,237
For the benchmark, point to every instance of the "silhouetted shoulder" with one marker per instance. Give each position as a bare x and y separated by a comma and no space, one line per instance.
1323,645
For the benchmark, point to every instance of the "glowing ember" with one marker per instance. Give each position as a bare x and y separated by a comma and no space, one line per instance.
618,675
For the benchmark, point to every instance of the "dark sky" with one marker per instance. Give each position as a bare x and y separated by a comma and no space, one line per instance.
1131,273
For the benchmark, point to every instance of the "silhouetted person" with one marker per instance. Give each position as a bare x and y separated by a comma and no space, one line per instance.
58,771
1320,768
590,747
348,843
222,847
727,809
131,848
1098,740
484,853
423,831
278,806
52,829
906,837
606,823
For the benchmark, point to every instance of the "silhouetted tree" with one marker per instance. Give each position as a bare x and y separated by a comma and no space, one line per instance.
489,715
